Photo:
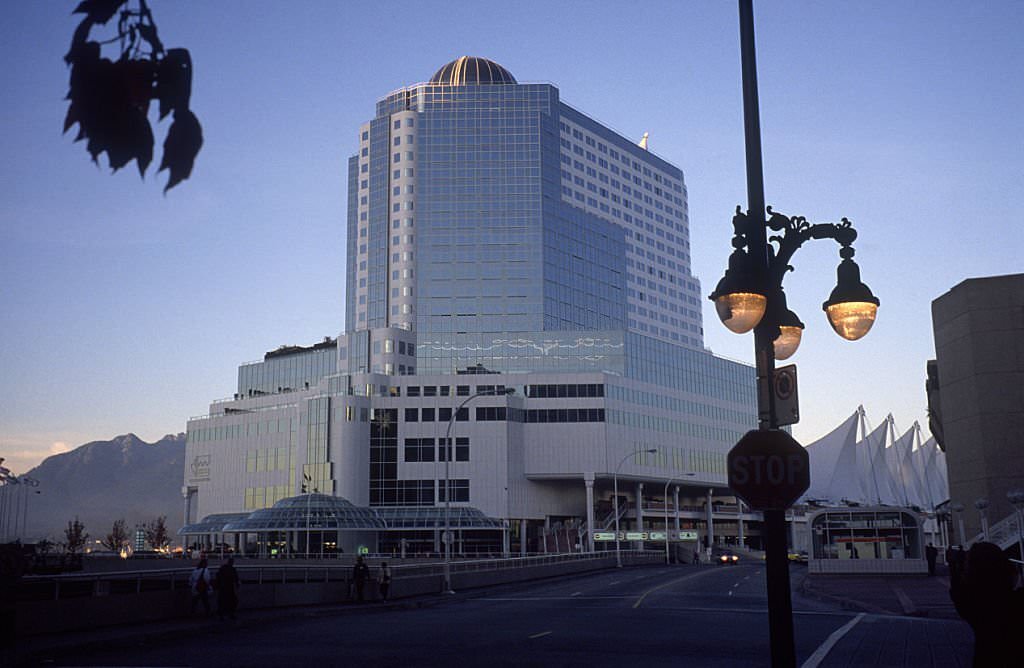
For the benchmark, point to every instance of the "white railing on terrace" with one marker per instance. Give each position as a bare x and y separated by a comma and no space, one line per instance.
1003,533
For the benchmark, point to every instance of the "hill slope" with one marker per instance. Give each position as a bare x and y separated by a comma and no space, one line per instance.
103,481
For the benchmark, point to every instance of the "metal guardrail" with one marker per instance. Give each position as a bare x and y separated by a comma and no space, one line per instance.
85,585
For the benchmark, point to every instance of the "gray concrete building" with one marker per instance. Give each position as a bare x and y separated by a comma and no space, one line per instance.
979,373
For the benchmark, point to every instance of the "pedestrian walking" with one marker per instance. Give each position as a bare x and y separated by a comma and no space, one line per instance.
200,583
227,583
360,574
384,580
984,596
931,554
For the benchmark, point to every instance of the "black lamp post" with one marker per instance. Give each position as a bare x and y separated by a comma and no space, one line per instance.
750,297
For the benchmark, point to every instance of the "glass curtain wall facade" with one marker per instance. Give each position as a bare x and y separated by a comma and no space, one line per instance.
493,220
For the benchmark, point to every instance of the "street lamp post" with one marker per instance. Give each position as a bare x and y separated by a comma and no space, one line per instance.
982,506
29,482
665,498
750,297
449,450
1016,497
958,508
615,499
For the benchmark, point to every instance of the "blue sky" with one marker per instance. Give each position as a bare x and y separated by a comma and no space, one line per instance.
125,310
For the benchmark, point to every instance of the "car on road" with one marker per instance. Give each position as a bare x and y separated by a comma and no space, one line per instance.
799,557
727,557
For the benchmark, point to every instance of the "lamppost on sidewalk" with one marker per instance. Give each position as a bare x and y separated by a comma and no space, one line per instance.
982,506
449,450
1016,497
750,297
615,498
958,508
665,499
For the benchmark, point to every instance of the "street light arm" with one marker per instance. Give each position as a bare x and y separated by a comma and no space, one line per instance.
448,452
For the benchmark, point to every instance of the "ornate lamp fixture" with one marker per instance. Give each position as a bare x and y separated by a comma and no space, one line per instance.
740,297
745,294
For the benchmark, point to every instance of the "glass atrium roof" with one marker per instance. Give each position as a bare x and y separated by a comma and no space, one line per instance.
309,511
318,512
212,523
469,70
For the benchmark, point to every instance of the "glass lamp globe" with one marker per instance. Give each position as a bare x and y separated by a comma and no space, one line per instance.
787,341
741,311
851,320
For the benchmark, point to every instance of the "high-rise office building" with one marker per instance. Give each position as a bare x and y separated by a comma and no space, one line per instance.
497,239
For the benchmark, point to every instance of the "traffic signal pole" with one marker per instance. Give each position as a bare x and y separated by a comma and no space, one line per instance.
780,605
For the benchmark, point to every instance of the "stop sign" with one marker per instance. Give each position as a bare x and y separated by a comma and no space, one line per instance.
768,469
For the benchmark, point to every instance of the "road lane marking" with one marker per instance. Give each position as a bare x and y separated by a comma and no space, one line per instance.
550,598
614,583
689,576
908,606
819,654
540,635
575,593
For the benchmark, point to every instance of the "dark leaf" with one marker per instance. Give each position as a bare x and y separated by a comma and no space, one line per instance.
184,139
99,11
174,81
148,32
71,118
78,40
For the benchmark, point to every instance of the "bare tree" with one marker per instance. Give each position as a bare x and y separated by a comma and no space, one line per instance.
156,533
117,538
75,536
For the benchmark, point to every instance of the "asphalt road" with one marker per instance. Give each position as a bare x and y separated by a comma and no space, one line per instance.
681,615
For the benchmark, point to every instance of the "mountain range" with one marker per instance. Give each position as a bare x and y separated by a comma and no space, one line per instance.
104,481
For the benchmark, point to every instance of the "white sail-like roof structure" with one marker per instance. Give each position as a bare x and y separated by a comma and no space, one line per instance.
851,466
833,463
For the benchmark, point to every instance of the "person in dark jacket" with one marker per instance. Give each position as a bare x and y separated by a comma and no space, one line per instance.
984,597
931,554
226,583
360,574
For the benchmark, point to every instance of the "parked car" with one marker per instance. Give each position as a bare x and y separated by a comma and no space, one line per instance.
799,557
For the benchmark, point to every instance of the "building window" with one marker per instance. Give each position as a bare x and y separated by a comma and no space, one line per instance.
419,449
459,490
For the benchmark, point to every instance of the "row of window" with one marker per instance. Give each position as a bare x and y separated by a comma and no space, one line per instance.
420,492
615,155
568,391
431,449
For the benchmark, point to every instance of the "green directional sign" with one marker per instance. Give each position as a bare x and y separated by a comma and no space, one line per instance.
604,535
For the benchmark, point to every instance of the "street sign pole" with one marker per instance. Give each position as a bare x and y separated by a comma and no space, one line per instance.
780,605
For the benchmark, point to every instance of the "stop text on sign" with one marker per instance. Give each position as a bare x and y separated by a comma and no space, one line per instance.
767,469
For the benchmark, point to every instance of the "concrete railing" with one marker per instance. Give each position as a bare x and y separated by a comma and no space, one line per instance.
61,603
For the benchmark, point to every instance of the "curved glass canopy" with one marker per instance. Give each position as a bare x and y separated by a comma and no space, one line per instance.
320,512
309,511
211,523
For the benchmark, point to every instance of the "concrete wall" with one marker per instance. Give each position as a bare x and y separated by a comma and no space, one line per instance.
323,586
979,347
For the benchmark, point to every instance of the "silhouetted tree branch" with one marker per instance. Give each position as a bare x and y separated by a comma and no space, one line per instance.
109,100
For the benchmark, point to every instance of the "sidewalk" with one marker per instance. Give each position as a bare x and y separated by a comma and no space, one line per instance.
912,595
